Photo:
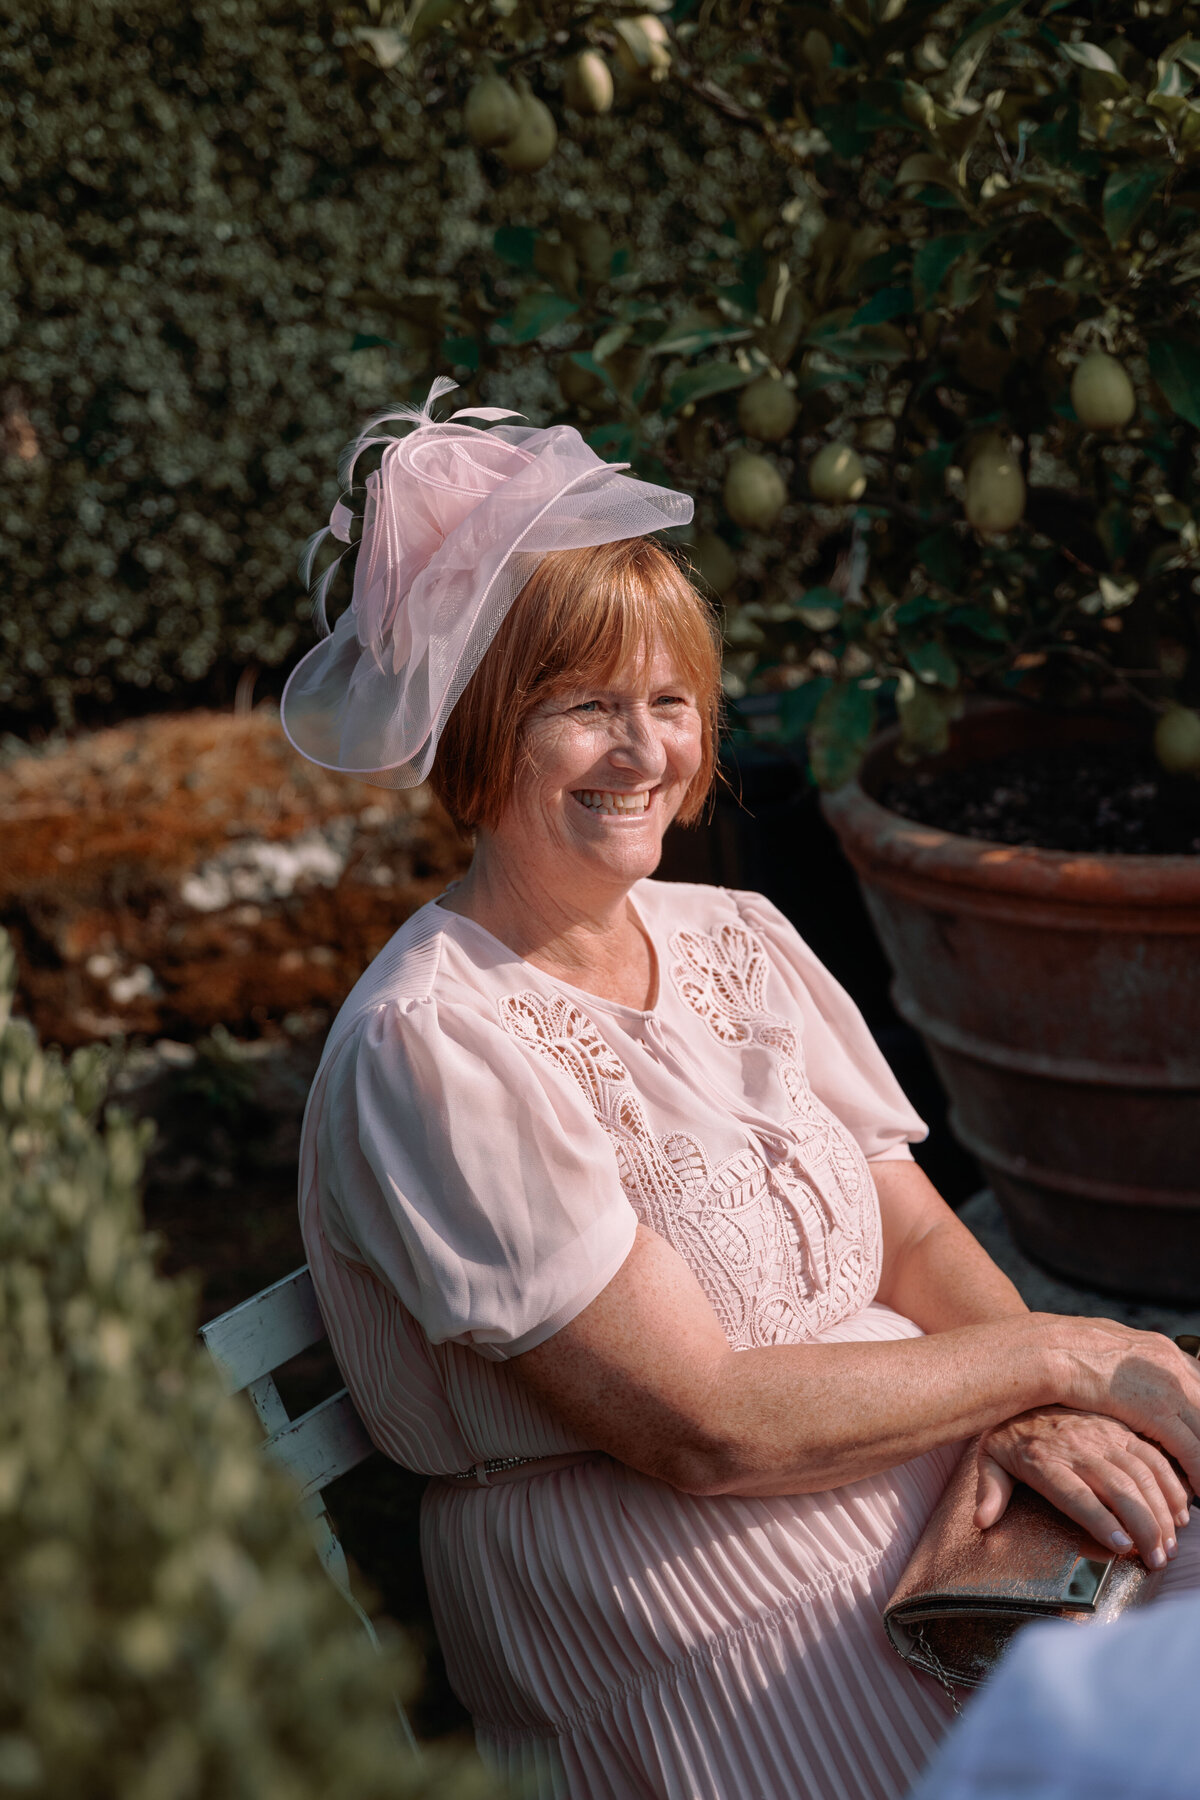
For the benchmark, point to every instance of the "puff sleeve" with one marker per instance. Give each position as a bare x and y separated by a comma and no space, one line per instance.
469,1176
846,1069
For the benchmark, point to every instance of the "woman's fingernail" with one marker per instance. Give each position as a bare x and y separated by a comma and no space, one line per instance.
1122,1540
1157,1559
1183,1518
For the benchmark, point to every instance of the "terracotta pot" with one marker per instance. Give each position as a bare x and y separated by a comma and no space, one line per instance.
1059,995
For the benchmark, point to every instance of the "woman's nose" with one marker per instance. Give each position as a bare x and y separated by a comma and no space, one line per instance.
637,745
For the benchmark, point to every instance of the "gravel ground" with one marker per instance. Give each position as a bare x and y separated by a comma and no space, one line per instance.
1044,1292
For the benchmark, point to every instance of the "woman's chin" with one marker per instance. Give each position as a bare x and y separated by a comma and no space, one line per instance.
621,851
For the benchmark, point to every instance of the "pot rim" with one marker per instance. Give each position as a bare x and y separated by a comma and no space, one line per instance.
875,837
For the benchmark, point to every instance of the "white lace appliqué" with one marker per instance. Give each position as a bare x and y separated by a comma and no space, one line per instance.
781,1255
723,979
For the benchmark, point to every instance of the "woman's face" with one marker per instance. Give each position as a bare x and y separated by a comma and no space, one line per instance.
606,771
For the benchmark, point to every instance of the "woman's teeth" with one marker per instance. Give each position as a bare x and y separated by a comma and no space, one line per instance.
614,803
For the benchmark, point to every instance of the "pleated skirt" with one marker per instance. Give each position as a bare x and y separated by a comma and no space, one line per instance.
614,1639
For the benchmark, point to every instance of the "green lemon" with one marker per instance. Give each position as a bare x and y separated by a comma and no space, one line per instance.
492,114
1102,393
714,562
1177,741
754,492
647,48
995,490
536,137
589,84
767,409
836,475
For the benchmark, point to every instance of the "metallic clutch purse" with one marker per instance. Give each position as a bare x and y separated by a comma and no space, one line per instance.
966,1592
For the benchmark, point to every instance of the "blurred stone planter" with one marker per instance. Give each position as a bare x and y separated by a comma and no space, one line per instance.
1059,995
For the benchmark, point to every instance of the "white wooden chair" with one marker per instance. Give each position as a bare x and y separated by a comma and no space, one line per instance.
248,1344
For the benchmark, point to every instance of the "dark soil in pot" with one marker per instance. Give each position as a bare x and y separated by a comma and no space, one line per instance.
1098,798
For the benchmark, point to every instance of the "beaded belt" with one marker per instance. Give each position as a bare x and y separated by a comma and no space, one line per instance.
500,1469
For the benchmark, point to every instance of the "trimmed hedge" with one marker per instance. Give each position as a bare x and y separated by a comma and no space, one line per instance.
195,207
168,1632
225,236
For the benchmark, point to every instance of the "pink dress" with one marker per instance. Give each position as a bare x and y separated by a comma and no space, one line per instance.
480,1144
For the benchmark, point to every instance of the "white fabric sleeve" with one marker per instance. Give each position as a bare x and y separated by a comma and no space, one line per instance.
845,1066
470,1176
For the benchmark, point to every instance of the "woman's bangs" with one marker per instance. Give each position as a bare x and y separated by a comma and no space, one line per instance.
623,616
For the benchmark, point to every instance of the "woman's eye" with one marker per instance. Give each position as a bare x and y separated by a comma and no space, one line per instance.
671,700
586,706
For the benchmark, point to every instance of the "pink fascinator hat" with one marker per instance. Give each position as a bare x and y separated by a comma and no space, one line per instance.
457,518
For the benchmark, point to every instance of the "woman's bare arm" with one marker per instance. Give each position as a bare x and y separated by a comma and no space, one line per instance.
934,1272
645,1372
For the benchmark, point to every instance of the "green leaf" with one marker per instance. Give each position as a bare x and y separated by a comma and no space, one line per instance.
939,554
463,352
878,271
931,662
613,441
432,14
928,478
934,259
823,378
978,620
1127,194
888,303
797,706
515,244
1090,56
864,344
702,382
841,730
939,198
687,343
1187,53
840,125
991,15
538,312
1175,365
921,606
819,608
821,18
870,118
1114,524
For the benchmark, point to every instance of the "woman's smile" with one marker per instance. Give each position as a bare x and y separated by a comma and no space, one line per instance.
616,805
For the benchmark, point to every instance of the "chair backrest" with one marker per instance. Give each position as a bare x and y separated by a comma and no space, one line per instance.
249,1343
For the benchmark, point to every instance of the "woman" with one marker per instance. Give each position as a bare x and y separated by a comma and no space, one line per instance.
609,1203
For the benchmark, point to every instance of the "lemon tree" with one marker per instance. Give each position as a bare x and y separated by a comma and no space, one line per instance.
918,328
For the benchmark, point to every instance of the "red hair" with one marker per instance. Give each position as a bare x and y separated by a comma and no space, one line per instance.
580,617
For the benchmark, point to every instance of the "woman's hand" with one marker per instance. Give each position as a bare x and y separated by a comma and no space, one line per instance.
1139,1378
1095,1469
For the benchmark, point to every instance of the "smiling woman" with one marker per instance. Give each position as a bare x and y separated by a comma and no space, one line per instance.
609,1205
583,616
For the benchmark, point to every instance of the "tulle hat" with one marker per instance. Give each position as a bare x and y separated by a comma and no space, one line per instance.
457,518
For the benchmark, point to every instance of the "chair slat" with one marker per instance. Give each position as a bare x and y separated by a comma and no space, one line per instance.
322,1444
265,1331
